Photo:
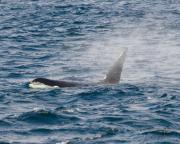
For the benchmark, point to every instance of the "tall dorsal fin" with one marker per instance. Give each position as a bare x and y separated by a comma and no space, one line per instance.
114,74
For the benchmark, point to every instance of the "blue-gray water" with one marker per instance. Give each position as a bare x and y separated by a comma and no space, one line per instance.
78,40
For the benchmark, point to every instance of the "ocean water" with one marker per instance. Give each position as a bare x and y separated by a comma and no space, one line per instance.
79,40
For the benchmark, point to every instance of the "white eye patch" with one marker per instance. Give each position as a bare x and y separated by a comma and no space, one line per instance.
38,85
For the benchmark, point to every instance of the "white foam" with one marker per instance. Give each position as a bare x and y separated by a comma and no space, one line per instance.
63,142
138,107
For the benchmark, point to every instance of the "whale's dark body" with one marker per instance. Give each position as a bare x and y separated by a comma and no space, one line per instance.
112,77
58,83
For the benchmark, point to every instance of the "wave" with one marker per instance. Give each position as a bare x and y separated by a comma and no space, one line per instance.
46,117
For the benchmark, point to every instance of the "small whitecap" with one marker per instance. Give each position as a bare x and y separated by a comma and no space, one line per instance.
138,107
152,100
60,29
63,142
71,110
36,109
68,110
90,137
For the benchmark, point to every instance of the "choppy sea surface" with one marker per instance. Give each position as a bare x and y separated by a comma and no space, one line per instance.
79,40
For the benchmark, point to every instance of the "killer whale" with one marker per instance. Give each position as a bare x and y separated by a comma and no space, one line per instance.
112,77
44,82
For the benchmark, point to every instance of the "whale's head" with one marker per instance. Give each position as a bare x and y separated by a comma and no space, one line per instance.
40,83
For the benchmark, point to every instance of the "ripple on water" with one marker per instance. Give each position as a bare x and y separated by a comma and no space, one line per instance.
163,132
46,117
4,123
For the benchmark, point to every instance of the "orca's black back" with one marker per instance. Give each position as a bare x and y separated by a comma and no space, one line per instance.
56,82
